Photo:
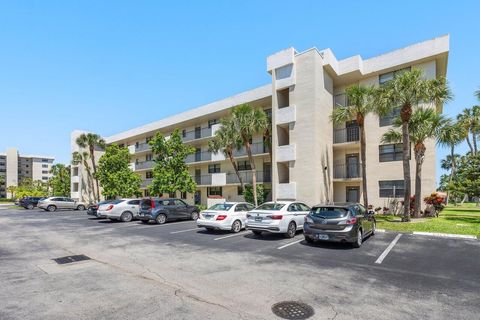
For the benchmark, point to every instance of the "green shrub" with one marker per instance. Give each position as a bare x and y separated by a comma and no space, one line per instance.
261,194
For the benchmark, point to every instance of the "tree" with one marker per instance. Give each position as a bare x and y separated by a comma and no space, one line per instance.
170,173
407,91
115,175
424,124
13,191
82,158
92,141
227,141
31,188
261,193
477,94
468,176
60,180
248,121
360,104
469,120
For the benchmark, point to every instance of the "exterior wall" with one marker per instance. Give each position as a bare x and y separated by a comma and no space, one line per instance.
12,169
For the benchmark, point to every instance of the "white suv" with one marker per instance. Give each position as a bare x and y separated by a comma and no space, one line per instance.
124,210
278,217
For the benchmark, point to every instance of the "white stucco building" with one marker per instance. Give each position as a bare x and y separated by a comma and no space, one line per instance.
313,160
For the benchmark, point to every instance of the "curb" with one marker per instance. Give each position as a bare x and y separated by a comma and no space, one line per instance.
444,235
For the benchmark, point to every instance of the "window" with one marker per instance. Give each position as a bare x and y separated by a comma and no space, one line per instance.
43,171
271,206
222,207
149,175
214,191
149,157
183,195
134,202
179,203
44,178
43,160
44,165
214,168
303,207
244,165
386,77
26,165
184,133
241,207
389,118
239,191
391,188
293,208
172,195
146,193
212,122
390,152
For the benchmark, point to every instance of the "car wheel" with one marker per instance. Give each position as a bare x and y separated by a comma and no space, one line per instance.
52,208
374,228
291,230
194,216
126,216
81,207
30,207
236,226
161,218
358,243
257,232
309,240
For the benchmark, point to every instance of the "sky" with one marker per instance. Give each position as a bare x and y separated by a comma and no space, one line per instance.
108,66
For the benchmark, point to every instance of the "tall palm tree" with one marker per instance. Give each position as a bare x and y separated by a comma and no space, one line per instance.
360,104
477,94
248,121
227,141
82,158
407,91
92,141
424,124
469,119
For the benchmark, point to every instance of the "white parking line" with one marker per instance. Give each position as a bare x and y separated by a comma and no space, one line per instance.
187,230
163,225
289,244
389,248
231,235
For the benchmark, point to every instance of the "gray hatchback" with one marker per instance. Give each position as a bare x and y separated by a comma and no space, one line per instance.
349,223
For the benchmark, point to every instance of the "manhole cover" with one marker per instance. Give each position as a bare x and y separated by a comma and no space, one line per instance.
292,310
70,259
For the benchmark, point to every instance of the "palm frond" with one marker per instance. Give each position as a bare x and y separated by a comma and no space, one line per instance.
391,136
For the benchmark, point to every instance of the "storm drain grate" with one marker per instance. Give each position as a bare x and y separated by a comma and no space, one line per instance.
70,259
292,310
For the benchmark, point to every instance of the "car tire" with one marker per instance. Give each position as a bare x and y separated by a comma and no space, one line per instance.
309,240
161,219
257,232
29,207
291,230
51,208
81,207
127,216
236,226
194,216
358,243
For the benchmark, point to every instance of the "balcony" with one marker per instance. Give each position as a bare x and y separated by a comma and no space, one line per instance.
146,183
340,100
142,147
257,148
286,153
347,171
287,191
286,115
203,180
199,157
144,165
247,177
345,135
199,133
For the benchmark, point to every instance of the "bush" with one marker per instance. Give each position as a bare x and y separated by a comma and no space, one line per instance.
436,201
202,207
261,194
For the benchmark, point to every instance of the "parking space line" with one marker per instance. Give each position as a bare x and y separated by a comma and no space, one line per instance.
231,235
163,225
389,248
180,231
289,244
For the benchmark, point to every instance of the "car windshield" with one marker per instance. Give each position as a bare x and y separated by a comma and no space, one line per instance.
271,206
329,212
221,207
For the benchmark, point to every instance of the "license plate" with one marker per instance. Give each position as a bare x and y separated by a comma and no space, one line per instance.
208,216
322,236
258,218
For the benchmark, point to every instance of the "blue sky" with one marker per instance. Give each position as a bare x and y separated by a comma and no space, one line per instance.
108,66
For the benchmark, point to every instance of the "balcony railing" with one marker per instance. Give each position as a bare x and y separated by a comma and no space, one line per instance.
257,148
197,134
199,156
348,134
144,165
347,171
203,180
142,147
247,177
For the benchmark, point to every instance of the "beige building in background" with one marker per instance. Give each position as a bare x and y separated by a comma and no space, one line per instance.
14,167
313,161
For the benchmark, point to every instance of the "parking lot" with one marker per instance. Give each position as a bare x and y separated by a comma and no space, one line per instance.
177,271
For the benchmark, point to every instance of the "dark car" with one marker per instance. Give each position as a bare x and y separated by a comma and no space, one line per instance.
162,210
92,209
349,223
29,202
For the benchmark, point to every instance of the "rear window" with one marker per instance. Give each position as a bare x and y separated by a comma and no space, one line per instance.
221,207
328,212
271,206
116,201
146,203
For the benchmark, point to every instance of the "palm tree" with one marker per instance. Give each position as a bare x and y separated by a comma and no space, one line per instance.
82,158
477,94
92,141
424,124
248,121
227,141
407,91
469,119
360,104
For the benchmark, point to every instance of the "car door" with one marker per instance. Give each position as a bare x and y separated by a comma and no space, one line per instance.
59,203
367,219
172,209
240,212
134,207
182,209
361,216
293,212
69,203
304,210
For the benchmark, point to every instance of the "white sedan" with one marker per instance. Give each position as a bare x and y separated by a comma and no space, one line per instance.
225,216
124,210
278,217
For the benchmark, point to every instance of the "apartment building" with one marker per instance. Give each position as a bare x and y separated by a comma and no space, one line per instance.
14,167
312,160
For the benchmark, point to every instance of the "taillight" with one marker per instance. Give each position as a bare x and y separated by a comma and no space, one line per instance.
152,203
95,207
221,217
352,221
276,217
110,207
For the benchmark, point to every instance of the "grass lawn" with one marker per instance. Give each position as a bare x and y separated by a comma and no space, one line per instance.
464,219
